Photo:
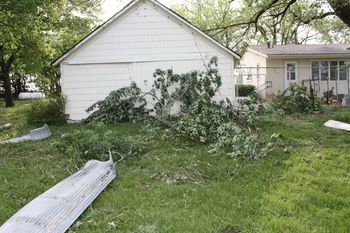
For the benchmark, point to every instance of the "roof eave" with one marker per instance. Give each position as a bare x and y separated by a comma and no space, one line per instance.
257,52
322,55
94,32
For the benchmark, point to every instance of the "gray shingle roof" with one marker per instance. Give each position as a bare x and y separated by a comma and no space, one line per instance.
310,49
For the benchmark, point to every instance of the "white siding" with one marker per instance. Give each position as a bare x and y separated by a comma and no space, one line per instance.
83,85
146,33
249,63
143,39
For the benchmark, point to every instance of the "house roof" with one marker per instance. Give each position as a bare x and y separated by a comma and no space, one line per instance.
309,49
124,10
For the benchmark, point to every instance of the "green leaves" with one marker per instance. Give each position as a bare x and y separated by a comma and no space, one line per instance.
282,22
123,105
295,99
185,89
199,117
37,31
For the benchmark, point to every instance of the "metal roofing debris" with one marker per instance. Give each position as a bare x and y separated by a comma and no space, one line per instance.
337,125
31,95
57,209
34,135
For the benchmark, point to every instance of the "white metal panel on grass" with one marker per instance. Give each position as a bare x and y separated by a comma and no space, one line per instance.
34,135
337,125
57,209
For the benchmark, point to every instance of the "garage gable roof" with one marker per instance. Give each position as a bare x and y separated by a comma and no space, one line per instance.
124,10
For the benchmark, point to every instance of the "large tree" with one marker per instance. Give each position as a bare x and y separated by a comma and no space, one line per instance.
277,21
341,9
31,33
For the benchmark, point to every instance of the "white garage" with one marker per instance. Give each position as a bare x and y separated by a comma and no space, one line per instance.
130,46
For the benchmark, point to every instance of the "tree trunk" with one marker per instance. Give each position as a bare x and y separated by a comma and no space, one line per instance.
5,76
342,9
7,86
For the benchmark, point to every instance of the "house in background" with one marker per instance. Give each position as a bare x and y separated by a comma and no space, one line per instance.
272,68
141,38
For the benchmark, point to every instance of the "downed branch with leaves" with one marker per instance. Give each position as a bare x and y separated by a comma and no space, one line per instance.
187,103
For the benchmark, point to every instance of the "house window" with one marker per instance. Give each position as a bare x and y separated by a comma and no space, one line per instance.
291,72
324,68
334,70
250,76
240,77
343,70
329,70
315,70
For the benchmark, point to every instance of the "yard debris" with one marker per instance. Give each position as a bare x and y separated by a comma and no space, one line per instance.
58,208
34,135
31,95
5,126
337,125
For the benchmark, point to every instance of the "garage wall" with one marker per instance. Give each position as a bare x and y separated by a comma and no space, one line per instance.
83,85
131,48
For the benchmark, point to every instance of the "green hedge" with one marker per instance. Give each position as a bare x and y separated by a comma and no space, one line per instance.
47,111
245,90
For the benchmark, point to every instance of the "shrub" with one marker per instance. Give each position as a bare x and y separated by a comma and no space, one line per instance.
47,111
125,104
295,99
245,90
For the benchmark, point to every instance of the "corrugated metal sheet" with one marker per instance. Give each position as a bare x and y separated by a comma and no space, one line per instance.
337,125
57,209
35,134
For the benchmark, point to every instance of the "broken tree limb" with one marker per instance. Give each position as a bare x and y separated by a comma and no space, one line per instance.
58,208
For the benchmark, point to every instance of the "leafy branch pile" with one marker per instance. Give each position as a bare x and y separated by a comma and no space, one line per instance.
123,105
91,143
185,103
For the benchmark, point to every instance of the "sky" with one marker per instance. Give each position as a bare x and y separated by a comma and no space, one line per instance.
110,7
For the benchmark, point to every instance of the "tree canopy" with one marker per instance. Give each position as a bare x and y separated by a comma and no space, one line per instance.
33,32
277,21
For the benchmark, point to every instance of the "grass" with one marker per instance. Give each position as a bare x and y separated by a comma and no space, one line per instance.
176,186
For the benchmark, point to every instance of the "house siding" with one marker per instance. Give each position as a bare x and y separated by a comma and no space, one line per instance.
249,64
130,49
276,74
273,70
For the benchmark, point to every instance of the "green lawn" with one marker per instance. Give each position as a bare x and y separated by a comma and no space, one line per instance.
306,189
